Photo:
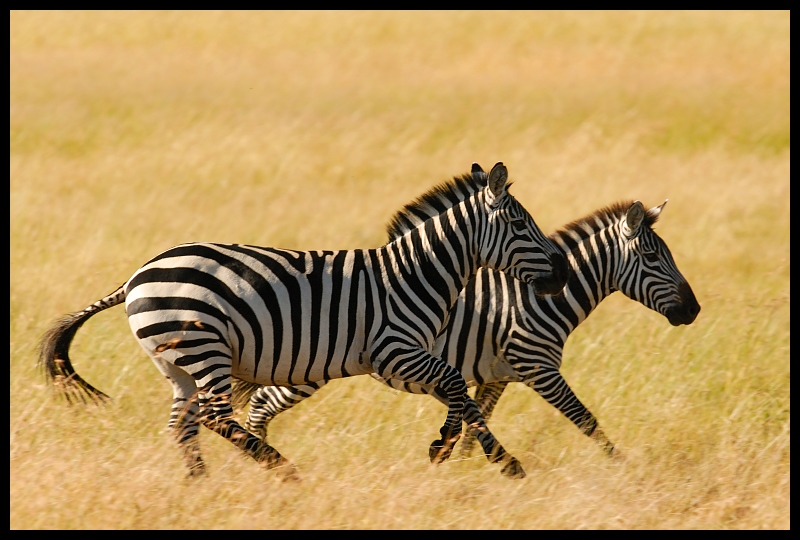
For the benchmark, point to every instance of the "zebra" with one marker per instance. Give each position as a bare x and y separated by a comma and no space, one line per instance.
500,331
207,312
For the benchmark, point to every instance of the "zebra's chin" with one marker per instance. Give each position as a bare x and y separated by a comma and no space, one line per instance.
680,317
682,314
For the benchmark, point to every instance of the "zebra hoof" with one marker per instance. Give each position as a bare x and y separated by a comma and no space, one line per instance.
439,452
609,450
615,454
288,473
513,469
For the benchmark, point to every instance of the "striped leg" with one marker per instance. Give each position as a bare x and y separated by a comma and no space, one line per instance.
200,372
494,451
492,448
418,366
269,401
185,422
549,384
184,418
486,397
216,414
477,429
453,385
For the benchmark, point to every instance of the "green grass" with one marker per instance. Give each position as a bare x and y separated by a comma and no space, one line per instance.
131,132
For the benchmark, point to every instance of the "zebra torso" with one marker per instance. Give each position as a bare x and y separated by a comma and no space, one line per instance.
284,315
287,317
499,330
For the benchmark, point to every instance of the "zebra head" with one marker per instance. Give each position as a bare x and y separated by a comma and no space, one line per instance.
513,243
647,270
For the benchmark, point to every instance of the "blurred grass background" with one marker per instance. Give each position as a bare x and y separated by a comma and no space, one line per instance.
131,132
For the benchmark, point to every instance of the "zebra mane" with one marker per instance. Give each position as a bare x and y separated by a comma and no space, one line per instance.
600,219
435,201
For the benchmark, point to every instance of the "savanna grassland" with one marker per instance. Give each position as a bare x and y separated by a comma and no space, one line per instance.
131,132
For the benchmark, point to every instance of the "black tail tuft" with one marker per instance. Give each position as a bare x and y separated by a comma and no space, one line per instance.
54,359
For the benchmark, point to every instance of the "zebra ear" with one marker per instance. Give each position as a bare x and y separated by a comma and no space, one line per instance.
633,219
498,177
656,210
478,174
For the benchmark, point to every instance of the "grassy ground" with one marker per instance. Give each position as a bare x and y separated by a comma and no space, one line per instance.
132,132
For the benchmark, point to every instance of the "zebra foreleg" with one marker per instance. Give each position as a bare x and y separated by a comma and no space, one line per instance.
476,428
269,401
494,451
476,424
454,386
550,384
486,397
417,366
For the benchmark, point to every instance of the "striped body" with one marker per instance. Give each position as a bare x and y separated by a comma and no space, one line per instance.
500,331
207,312
283,317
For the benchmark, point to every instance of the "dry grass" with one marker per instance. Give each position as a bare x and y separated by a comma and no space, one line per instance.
132,132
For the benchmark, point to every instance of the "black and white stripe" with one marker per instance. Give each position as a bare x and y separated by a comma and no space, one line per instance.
207,312
500,331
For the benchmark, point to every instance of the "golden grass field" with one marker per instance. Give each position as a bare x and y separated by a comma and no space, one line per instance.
131,132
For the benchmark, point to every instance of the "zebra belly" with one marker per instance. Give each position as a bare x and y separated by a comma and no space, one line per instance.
303,371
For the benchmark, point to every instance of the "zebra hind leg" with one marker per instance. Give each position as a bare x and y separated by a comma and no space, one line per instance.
269,401
184,421
590,428
184,418
217,415
202,394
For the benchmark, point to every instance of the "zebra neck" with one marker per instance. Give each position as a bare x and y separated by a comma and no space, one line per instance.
434,261
593,265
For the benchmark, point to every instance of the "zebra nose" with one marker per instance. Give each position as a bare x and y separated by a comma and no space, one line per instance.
689,301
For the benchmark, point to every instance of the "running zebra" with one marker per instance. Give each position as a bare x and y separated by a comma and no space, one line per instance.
207,312
500,331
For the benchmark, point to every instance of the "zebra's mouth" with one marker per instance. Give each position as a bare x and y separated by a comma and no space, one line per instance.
554,283
685,312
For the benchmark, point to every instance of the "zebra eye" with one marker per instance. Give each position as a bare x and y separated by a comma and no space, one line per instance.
651,256
519,224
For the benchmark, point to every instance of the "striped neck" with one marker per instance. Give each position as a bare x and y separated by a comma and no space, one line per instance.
439,256
593,247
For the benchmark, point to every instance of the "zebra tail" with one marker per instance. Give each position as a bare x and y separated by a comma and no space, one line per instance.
242,390
54,352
